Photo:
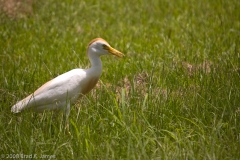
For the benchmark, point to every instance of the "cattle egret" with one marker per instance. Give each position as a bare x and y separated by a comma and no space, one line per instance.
60,92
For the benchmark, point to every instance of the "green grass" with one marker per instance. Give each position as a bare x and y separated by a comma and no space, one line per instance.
176,94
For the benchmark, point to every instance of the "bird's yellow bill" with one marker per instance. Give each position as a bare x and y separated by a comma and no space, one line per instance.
114,51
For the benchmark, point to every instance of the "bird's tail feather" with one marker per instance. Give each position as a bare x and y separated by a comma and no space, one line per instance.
19,106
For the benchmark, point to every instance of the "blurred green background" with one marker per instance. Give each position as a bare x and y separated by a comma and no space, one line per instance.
176,94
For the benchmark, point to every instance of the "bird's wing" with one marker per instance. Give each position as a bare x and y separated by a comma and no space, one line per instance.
56,90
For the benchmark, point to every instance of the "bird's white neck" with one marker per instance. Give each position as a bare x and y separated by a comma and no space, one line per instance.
96,62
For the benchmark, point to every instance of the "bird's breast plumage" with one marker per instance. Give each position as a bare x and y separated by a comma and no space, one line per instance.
89,85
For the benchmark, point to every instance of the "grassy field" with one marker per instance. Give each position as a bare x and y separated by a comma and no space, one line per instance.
175,95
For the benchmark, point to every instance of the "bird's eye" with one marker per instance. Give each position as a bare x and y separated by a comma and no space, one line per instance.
105,46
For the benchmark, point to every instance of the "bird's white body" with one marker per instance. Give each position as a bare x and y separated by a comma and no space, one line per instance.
60,92
55,94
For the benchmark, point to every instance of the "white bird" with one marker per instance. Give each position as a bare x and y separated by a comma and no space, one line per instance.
60,92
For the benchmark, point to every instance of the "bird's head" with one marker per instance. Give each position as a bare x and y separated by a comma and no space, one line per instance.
100,47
